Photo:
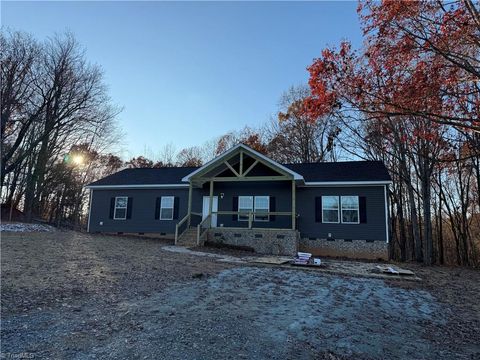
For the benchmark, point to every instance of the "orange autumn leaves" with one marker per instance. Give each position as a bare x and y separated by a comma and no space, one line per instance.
419,60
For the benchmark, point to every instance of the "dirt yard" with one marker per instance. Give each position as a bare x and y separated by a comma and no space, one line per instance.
75,296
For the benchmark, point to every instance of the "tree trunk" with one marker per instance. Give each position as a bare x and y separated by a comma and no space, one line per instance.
427,220
441,258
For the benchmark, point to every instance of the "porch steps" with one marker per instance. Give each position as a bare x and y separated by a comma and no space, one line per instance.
188,238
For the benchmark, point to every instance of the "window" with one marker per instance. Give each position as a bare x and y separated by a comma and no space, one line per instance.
258,204
245,205
330,209
121,203
350,210
262,206
166,208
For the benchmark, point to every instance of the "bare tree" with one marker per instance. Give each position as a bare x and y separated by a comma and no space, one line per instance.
52,99
191,156
295,137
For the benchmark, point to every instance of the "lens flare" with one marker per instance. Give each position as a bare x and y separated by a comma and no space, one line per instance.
77,159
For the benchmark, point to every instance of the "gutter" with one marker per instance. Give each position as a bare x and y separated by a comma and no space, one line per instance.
307,184
141,186
347,183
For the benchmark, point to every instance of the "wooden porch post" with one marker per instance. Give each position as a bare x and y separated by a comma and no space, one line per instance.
293,205
210,206
189,203
241,163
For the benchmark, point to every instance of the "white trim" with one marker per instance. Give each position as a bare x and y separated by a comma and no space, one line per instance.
386,216
115,208
214,220
295,175
255,208
161,207
147,186
358,209
250,210
172,186
338,210
345,183
89,209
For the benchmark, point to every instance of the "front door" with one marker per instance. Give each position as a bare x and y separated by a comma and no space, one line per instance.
206,208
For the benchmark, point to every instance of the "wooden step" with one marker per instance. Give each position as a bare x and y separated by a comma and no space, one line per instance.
188,238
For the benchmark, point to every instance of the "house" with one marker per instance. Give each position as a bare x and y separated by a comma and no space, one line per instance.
243,198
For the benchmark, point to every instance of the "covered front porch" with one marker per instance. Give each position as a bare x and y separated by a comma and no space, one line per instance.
240,190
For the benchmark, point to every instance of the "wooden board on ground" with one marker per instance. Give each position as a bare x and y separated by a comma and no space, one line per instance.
322,265
394,270
275,260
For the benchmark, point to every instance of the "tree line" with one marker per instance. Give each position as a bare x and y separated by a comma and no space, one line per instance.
409,96
56,121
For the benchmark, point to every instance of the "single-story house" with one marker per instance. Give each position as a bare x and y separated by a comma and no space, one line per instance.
243,198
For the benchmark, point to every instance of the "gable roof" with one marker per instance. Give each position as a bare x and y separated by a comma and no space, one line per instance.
343,171
222,157
334,173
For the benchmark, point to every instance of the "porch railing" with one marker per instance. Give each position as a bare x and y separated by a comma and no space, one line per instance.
195,219
251,215
185,223
192,219
181,227
203,227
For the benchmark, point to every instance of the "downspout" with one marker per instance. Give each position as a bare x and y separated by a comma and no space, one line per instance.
387,232
89,209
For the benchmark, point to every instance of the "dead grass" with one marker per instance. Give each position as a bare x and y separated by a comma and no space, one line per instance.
67,294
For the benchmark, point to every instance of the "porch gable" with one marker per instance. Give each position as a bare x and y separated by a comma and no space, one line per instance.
241,163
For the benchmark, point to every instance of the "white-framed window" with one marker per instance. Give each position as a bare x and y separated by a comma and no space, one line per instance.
166,207
330,209
350,210
262,205
121,204
245,205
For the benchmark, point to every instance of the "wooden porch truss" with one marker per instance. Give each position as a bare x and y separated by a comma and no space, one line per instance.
240,175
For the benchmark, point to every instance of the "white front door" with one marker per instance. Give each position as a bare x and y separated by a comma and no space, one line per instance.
206,208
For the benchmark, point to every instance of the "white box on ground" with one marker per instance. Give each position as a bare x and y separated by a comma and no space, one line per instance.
304,254
317,261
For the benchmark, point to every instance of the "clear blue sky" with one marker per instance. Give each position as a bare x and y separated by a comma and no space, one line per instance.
188,72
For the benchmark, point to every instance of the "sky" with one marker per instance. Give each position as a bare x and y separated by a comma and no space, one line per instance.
186,72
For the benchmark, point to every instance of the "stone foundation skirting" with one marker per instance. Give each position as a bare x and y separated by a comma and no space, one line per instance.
354,249
262,241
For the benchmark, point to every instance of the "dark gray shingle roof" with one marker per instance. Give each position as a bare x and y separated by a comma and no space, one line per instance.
342,171
146,176
330,171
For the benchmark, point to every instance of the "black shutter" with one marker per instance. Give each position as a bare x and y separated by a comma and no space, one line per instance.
157,208
272,207
362,204
235,208
129,207
318,209
175,207
112,207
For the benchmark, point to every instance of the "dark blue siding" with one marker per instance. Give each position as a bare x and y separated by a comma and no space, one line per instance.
373,229
143,209
281,190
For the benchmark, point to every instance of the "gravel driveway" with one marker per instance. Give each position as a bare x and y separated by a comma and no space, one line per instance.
76,296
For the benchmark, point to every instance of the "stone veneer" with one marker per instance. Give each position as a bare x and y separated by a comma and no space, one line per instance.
355,249
262,241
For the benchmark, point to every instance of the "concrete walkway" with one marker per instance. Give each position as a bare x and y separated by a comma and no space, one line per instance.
219,257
